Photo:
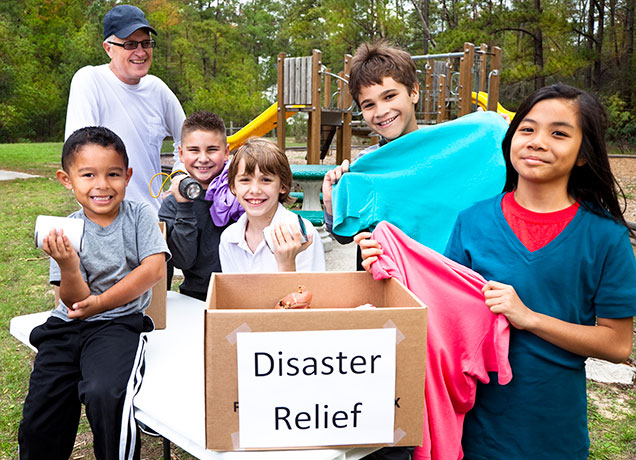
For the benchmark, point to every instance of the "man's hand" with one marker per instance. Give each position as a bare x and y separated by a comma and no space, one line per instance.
331,178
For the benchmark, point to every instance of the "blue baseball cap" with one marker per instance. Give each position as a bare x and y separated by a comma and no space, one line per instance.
123,20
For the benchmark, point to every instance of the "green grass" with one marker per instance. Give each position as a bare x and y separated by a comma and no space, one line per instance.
24,275
612,421
24,272
615,150
31,158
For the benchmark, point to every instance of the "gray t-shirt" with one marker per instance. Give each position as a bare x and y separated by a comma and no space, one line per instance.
109,254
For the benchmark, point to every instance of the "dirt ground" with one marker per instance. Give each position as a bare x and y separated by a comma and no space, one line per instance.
624,168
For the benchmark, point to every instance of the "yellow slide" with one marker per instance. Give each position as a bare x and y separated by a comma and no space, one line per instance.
483,103
259,126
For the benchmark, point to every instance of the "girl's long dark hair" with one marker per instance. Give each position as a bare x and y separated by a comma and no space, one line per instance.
593,185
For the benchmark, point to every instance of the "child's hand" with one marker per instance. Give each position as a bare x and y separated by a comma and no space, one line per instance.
57,245
370,249
502,298
331,178
288,245
86,308
174,188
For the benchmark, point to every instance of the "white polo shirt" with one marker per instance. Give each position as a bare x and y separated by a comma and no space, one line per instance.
237,257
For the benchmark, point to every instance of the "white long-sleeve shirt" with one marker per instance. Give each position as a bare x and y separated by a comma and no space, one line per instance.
142,115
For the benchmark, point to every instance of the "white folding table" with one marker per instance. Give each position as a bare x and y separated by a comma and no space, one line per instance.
171,398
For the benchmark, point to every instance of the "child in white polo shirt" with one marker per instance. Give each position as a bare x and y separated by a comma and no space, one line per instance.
260,177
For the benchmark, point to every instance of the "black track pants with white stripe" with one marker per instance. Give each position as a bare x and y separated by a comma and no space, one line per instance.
98,363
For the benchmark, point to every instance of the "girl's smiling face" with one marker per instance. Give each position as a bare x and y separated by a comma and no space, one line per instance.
545,147
258,193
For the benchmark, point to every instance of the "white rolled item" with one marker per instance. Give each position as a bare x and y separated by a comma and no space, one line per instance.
73,229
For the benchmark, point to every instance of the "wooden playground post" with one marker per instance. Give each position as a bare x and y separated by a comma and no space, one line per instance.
483,68
465,79
281,125
493,84
446,89
343,135
428,92
341,87
313,138
441,99
327,89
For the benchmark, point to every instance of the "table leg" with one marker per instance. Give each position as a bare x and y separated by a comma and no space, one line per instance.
166,449
311,195
311,202
327,240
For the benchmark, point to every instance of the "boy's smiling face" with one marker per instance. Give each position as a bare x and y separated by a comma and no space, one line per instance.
204,154
98,178
258,193
389,108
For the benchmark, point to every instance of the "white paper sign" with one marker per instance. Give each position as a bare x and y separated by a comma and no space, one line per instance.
316,388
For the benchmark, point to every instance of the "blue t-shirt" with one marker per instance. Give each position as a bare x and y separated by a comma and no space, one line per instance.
420,182
587,271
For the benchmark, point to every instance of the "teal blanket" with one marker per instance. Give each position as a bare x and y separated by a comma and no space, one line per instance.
420,182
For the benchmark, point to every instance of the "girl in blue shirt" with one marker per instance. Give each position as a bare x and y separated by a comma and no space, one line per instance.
570,296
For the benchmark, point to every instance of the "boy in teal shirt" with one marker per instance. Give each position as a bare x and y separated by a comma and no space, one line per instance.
384,84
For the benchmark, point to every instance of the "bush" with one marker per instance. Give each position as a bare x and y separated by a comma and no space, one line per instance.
622,123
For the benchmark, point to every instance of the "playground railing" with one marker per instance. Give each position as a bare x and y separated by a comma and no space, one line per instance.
448,81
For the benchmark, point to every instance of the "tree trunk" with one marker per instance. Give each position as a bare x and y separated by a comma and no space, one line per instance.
427,22
628,34
613,36
539,81
422,11
590,41
599,44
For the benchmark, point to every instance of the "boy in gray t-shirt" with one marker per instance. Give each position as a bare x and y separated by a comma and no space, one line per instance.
91,350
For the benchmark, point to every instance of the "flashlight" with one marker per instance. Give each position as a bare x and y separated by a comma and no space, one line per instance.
190,188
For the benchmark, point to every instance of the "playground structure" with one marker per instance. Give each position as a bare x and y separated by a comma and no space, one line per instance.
305,85
451,85
455,84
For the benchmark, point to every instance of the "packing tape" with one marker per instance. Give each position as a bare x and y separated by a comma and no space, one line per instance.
235,440
231,337
398,434
398,334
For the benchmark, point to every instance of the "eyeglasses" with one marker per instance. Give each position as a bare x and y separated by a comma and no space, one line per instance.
132,44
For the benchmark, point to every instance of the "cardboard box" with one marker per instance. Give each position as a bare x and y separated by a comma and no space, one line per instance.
244,302
157,308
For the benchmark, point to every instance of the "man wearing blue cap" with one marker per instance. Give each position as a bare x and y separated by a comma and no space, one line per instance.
121,96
